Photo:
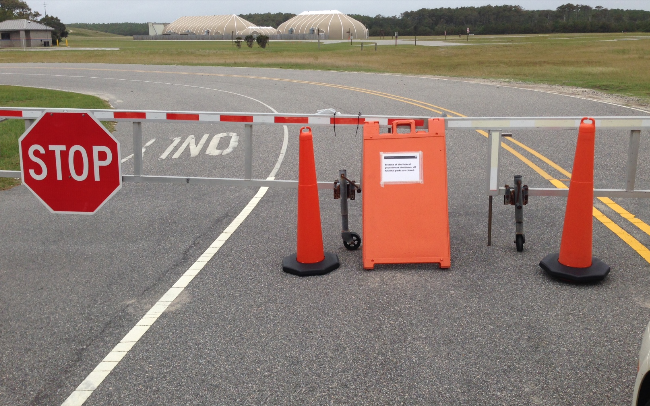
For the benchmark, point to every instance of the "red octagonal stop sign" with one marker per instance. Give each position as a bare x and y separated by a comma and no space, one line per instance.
70,162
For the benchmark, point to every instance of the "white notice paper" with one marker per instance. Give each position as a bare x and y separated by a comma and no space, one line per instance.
401,167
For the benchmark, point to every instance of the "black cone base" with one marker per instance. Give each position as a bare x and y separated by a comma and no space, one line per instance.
327,265
596,272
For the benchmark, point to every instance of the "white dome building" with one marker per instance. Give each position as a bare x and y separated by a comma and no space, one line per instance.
216,25
255,31
332,22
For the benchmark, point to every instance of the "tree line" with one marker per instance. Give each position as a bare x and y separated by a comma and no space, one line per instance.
567,18
267,19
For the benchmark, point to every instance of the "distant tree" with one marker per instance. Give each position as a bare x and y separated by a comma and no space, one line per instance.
60,30
249,39
16,9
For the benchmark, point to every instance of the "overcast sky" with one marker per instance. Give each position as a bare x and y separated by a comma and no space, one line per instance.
113,11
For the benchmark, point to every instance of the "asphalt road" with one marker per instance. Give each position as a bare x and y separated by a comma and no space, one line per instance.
493,329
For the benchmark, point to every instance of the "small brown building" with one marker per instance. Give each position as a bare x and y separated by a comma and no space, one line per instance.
24,34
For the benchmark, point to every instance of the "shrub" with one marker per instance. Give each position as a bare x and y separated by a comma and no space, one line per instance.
238,42
249,40
262,40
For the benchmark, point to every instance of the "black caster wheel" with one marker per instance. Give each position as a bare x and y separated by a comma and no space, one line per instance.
355,244
520,240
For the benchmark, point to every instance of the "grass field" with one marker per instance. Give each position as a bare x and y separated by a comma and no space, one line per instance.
613,63
11,130
86,33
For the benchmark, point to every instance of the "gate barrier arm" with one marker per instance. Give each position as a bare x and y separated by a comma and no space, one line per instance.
634,123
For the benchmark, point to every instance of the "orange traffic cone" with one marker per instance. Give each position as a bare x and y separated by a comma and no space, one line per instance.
310,258
575,262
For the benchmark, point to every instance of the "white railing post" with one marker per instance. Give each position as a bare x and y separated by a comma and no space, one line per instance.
248,151
137,148
632,159
494,145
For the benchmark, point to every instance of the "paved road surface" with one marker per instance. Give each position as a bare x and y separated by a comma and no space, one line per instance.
493,329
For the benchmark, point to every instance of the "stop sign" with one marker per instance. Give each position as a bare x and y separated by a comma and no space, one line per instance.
70,162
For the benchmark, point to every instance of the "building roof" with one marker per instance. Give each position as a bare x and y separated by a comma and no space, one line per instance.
332,22
310,13
19,25
216,25
259,31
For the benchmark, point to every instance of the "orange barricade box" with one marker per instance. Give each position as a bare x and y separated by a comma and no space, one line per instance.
405,210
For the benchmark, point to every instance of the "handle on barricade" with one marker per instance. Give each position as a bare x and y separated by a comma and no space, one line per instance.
398,123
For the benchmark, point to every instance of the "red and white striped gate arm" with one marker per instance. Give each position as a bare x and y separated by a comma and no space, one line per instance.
214,117
494,125
504,123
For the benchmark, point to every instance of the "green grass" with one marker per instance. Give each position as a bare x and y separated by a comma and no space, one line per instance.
613,62
86,33
11,130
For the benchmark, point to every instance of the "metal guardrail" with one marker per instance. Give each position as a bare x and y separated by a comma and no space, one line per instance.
494,142
633,123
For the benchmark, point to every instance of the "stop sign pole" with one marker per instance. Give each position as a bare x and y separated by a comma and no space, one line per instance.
70,162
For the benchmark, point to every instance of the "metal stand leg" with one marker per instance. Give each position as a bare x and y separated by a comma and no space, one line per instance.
518,197
345,232
520,238
351,241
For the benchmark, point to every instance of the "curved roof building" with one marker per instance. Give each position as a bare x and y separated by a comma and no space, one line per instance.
259,31
216,25
332,22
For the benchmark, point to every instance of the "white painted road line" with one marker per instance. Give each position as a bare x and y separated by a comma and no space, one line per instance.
194,148
143,149
170,148
97,376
